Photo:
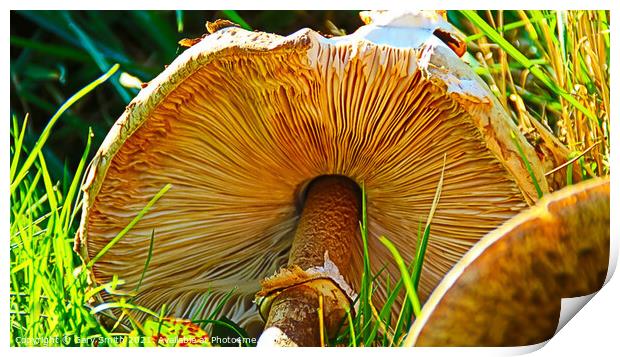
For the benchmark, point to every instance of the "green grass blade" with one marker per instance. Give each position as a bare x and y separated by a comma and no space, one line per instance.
409,287
18,149
122,305
236,18
386,310
511,26
109,286
221,304
203,304
48,128
152,26
419,258
180,23
47,180
146,262
58,51
97,56
569,174
527,164
365,292
162,313
74,123
421,247
13,131
131,224
55,25
404,316
602,15
66,207
26,199
353,340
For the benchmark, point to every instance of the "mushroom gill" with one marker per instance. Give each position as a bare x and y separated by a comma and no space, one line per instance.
241,122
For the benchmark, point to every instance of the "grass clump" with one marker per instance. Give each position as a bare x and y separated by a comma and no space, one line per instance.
550,70
370,327
47,295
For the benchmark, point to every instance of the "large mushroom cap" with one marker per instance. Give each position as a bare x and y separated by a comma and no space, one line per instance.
242,121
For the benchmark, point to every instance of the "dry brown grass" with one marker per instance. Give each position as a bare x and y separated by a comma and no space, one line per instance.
572,49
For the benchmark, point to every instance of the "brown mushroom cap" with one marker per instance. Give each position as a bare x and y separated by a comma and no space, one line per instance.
507,290
242,121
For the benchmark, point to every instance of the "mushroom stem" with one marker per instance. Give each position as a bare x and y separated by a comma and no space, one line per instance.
328,223
327,228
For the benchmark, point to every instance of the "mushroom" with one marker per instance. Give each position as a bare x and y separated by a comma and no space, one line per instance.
267,140
557,249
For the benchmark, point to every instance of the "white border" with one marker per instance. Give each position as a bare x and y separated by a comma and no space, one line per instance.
594,329
310,5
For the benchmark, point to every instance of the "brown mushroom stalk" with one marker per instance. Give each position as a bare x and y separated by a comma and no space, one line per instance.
327,229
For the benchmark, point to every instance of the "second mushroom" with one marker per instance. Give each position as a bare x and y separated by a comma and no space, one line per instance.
267,141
